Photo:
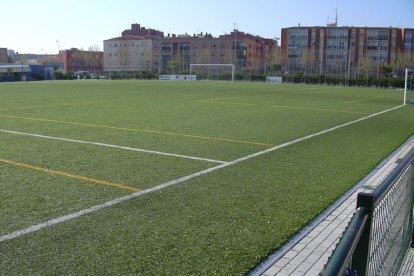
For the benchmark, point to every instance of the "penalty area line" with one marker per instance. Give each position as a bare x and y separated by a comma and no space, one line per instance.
164,133
113,202
111,146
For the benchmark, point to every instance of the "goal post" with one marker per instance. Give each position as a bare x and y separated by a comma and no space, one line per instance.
409,86
222,72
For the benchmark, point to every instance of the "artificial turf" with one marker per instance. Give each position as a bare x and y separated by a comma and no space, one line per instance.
220,223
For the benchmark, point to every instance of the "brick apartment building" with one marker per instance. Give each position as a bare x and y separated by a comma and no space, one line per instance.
345,51
148,49
408,44
75,60
3,55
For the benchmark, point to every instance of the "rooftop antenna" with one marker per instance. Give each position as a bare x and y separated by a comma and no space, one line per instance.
336,14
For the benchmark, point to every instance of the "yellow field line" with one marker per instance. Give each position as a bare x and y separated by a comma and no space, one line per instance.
57,105
65,174
362,100
285,106
140,130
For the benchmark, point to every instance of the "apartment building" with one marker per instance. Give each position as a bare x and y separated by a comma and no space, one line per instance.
75,60
128,53
341,51
3,55
147,49
408,44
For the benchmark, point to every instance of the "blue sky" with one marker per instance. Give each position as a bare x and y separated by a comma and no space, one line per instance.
35,26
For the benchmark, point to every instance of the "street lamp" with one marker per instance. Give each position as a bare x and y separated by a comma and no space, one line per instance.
278,51
235,47
378,57
44,65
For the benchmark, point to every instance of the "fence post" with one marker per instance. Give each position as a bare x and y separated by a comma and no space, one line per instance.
411,181
361,254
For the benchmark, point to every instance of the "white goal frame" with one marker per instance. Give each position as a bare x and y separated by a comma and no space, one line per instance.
214,65
407,75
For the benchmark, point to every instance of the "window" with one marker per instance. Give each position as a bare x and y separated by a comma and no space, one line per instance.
383,35
372,34
337,33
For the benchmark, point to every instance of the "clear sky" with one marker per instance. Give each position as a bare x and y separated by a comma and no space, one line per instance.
35,26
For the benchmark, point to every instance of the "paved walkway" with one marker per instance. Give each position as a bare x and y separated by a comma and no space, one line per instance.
310,254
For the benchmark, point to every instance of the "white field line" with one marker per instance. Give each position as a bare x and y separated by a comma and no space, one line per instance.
113,202
111,146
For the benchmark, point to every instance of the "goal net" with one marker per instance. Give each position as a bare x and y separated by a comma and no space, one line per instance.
219,72
409,86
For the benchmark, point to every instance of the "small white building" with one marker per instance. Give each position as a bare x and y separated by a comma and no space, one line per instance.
128,53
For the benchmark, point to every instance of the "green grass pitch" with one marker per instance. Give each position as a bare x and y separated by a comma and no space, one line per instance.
223,222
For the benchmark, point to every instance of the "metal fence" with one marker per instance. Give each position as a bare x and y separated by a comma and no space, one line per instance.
379,235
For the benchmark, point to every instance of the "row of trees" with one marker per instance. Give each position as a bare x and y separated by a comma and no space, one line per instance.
363,81
308,62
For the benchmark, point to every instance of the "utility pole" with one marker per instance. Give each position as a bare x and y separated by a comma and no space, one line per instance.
235,47
378,57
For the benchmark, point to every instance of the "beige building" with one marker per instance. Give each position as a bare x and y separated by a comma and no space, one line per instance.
142,49
128,53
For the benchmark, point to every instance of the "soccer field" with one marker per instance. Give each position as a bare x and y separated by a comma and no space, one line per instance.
150,177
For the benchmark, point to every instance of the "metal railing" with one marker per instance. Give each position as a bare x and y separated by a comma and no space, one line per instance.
381,230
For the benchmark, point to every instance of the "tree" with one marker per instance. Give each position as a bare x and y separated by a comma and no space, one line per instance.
10,72
55,72
275,56
173,64
78,60
386,70
365,65
93,57
307,59
409,59
397,63
202,53
276,67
